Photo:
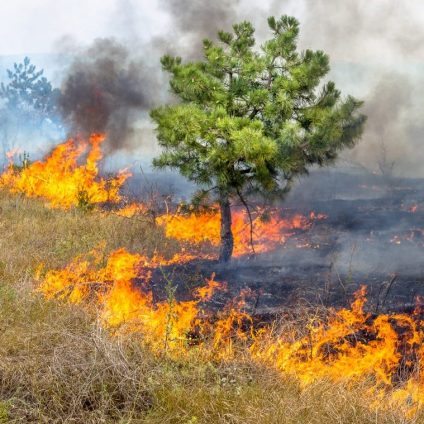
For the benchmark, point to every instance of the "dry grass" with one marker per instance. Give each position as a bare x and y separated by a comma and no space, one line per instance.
58,366
31,233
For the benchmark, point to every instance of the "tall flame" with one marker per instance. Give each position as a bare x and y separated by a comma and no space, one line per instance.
62,181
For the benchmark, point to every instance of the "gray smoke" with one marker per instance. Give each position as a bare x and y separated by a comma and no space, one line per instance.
196,20
388,142
105,90
376,51
109,87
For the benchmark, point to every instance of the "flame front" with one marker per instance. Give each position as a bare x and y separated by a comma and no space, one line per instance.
122,304
62,181
349,345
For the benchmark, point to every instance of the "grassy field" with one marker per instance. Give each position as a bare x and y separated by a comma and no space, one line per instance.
57,365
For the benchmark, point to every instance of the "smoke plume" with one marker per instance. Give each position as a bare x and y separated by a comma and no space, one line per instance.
105,90
196,20
108,86
376,53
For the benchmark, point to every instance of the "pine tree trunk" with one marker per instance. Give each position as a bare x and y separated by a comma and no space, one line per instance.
227,240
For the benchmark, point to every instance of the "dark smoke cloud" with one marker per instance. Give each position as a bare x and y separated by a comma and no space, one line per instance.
109,87
105,90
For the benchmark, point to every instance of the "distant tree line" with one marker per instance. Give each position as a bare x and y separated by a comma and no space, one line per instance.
29,103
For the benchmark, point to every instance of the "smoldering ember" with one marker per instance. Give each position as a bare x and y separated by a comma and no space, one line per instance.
212,213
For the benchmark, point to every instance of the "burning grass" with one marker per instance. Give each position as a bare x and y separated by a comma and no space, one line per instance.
64,182
99,347
58,365
349,345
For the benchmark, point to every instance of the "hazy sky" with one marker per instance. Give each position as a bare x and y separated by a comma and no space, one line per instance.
34,26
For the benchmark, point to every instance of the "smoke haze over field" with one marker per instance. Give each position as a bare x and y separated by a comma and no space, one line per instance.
385,39
376,51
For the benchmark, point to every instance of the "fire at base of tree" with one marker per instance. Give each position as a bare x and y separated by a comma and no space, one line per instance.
115,308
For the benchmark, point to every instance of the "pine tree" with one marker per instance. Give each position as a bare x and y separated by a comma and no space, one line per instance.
28,104
251,119
29,92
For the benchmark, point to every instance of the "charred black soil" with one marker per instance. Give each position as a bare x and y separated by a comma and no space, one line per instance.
373,235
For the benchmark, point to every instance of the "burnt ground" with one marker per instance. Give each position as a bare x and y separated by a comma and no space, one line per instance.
373,235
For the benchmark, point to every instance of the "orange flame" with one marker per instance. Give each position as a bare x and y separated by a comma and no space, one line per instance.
121,303
62,181
131,210
205,293
350,345
205,227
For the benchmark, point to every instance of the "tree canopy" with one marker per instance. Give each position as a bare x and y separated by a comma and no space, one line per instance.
251,118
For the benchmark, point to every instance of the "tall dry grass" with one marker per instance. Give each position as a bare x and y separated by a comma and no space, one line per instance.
31,234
